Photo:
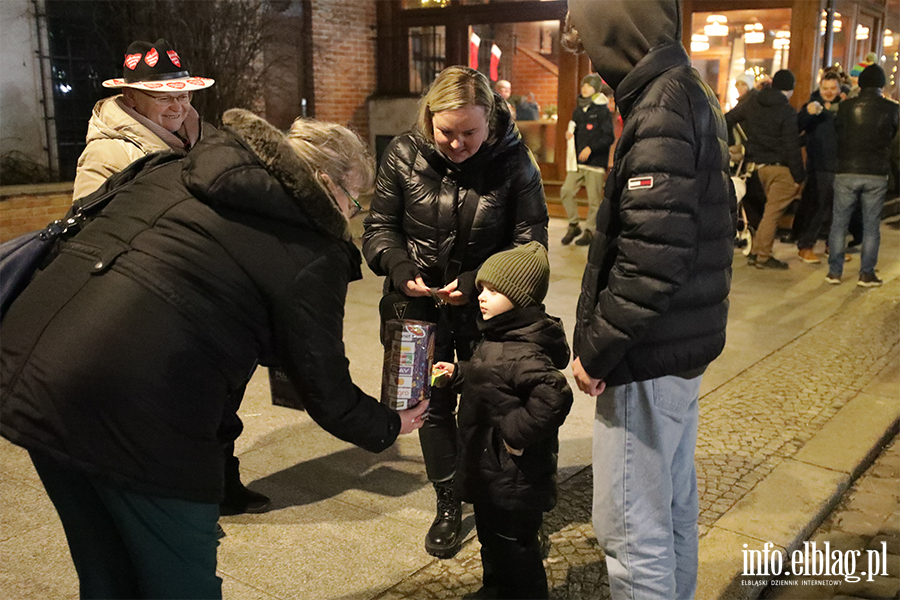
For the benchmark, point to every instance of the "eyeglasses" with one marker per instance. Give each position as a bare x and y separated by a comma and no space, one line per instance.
357,207
166,99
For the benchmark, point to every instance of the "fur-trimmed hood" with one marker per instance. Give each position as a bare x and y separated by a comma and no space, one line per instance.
251,168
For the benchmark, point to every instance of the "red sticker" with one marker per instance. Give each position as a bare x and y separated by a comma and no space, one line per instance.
197,81
173,56
131,60
176,84
590,126
152,57
153,85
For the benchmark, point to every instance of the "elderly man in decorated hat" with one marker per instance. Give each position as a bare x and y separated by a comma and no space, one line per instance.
152,113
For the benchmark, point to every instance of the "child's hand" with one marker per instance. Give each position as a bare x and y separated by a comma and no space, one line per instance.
512,450
442,373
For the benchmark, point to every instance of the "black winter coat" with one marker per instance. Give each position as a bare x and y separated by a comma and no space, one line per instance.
654,298
770,123
512,391
210,263
594,129
821,135
419,195
866,128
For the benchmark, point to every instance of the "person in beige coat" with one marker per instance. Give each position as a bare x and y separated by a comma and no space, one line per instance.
153,113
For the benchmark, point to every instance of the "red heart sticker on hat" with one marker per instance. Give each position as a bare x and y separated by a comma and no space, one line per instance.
173,56
176,84
131,60
152,57
153,85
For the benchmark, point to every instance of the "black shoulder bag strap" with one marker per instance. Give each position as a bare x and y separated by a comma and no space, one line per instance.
466,219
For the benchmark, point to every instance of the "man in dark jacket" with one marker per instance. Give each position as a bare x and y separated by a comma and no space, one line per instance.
591,128
866,128
654,300
773,145
816,120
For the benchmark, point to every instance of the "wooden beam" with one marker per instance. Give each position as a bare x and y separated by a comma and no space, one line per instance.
803,60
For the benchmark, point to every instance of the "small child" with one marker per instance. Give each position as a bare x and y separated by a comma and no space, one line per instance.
514,400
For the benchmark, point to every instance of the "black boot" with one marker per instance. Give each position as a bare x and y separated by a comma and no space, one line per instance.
444,537
238,499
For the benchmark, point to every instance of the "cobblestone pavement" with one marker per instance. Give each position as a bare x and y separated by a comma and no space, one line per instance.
866,520
575,567
748,426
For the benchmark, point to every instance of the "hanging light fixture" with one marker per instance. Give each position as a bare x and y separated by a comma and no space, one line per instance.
754,34
716,26
699,43
782,39
888,38
862,33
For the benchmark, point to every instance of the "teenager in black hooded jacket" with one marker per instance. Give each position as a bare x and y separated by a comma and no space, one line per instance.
120,358
464,157
654,301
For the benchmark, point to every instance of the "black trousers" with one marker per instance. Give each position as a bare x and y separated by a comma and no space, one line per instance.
815,208
511,552
456,334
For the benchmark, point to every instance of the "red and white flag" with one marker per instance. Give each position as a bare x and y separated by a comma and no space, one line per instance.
474,43
495,62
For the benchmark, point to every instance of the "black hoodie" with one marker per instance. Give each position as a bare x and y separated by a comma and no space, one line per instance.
513,391
654,297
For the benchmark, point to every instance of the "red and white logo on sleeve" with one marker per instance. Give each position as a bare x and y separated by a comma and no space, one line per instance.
640,183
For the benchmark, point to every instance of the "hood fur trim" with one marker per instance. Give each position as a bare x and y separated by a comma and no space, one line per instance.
269,145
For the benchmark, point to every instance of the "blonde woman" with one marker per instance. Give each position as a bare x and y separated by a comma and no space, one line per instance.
464,161
161,309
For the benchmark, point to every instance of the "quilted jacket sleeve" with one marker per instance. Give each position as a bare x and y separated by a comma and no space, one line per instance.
308,322
548,399
384,224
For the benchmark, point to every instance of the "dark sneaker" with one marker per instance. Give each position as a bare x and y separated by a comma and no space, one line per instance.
239,500
585,240
869,280
751,260
833,278
771,263
573,232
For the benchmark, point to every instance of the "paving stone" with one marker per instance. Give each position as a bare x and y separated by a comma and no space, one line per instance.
881,588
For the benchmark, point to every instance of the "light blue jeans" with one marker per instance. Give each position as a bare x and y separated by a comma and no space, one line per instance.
869,191
645,487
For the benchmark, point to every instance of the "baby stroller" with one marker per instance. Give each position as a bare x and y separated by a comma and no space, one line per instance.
743,233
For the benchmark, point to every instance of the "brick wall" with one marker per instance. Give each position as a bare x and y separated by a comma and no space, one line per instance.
343,34
528,75
24,211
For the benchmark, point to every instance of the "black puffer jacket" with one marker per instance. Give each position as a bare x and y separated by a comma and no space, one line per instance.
654,297
770,123
867,130
594,129
821,135
209,263
419,194
513,391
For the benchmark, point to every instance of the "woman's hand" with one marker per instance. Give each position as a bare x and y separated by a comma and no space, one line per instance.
412,418
416,287
451,295
584,154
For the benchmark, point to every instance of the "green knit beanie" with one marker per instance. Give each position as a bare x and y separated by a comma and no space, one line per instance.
521,274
